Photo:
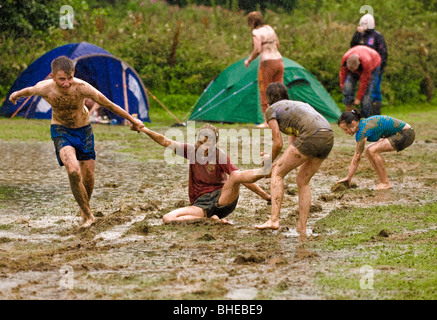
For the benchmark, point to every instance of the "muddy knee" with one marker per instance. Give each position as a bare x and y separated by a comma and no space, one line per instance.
370,153
234,176
301,183
74,174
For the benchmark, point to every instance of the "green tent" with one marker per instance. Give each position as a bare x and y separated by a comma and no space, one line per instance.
234,97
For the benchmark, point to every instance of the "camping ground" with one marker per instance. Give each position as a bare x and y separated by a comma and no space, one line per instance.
365,244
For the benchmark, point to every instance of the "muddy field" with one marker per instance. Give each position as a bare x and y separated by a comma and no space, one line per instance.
130,254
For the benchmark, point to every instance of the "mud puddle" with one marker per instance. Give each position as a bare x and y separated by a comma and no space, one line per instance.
130,254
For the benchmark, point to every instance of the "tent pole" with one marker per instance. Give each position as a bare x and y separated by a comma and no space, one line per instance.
126,104
28,109
165,108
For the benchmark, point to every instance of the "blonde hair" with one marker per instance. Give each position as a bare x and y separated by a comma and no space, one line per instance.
353,62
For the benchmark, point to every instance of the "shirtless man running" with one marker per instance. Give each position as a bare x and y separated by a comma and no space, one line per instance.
265,45
71,130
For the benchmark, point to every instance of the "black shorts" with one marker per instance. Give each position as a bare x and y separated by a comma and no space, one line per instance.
402,139
209,203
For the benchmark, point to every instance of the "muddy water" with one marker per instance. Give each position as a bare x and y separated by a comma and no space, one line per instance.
129,254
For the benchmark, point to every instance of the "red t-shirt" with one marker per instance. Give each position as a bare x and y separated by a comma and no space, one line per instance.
369,60
206,176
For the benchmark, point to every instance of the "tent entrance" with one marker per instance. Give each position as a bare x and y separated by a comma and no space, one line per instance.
295,87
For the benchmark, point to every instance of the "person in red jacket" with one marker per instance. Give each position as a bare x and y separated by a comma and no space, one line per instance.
362,64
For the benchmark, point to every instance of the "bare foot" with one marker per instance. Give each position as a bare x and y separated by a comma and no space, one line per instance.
262,125
225,221
301,232
268,225
297,233
88,222
383,186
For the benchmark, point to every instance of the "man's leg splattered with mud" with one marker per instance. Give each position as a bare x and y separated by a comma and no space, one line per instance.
68,157
87,173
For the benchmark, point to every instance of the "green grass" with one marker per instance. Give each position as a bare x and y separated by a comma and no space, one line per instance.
403,264
419,112
24,129
360,226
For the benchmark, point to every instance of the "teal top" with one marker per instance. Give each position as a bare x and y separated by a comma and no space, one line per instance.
377,127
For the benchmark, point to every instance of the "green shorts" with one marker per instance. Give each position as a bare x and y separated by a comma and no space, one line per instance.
318,145
209,203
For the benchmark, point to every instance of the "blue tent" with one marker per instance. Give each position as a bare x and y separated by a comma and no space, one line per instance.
118,81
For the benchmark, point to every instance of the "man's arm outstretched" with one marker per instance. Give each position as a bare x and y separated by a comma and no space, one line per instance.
98,97
37,89
160,139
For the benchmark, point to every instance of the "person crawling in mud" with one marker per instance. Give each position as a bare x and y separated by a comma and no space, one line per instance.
387,134
311,140
214,181
71,130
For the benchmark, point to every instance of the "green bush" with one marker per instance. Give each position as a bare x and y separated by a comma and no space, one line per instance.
179,50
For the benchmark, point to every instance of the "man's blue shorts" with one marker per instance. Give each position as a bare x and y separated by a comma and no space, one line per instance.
81,139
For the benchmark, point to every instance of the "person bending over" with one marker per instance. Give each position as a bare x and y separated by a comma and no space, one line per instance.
387,134
311,140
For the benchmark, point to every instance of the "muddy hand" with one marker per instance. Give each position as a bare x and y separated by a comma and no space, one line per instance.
345,181
12,98
137,125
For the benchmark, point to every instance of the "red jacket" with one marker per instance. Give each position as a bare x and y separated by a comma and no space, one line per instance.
369,60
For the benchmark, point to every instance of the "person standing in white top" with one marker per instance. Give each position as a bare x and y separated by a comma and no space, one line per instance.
265,45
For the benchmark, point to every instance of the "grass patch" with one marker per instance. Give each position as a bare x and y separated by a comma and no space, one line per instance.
402,258
7,193
19,129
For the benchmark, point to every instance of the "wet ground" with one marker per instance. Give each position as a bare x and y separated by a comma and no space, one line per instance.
130,254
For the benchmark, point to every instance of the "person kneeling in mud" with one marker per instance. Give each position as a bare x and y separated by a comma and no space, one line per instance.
212,193
387,133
